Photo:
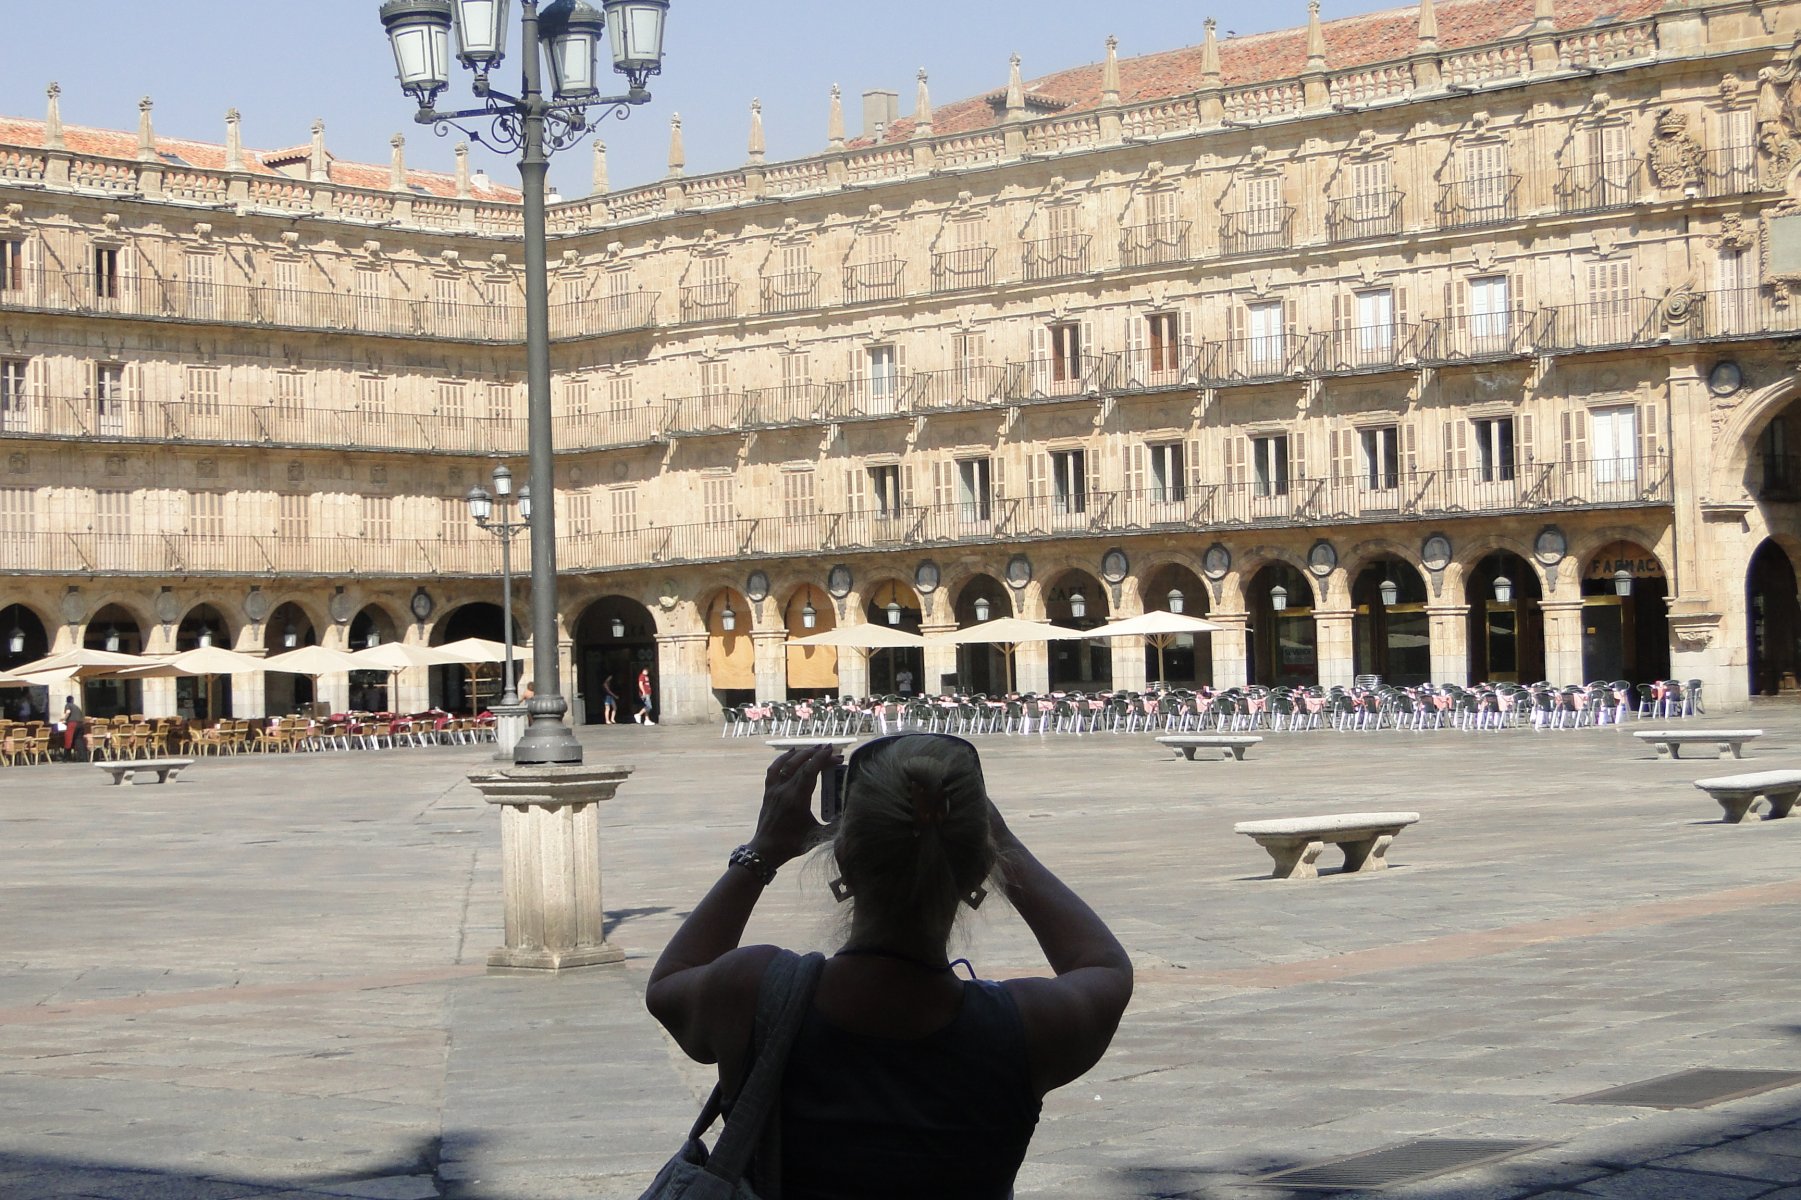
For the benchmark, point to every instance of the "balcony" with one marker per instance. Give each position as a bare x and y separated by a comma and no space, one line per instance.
1477,202
1739,313
879,280
1364,215
793,404
717,412
1158,368
958,270
1257,230
1731,171
1386,347
604,314
1484,337
1602,324
1157,244
976,385
709,302
1262,359
1596,187
1055,257
1065,375
790,291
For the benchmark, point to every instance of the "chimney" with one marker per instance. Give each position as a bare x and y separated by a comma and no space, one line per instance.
880,110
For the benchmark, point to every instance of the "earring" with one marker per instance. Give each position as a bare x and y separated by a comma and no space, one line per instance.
975,896
840,889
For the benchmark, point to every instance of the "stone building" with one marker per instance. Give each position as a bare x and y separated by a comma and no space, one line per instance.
1442,343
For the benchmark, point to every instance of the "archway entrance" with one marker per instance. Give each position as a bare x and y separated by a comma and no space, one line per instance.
981,668
288,628
1391,633
1076,600
472,689
115,629
1506,627
1775,620
1186,659
615,638
1625,620
369,690
897,670
1284,645
23,639
811,671
200,697
731,655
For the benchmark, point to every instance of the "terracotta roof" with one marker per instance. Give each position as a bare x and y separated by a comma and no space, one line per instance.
209,156
1282,54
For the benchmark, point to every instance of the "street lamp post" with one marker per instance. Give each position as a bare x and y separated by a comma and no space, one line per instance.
481,507
567,33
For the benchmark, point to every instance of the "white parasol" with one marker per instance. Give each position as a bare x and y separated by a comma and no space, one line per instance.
1008,633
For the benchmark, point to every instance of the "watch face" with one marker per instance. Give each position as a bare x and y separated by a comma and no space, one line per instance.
1725,378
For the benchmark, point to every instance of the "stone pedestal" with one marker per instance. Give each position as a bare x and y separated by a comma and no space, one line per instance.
509,727
550,864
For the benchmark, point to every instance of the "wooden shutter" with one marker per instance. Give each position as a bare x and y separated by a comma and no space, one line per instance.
1410,447
1235,322
37,380
1193,465
1297,456
856,481
1457,301
899,384
944,483
906,483
1135,468
134,386
1575,436
1457,444
1400,320
1041,349
1237,450
1344,313
1523,449
1343,443
1037,463
1137,341
1648,440
1089,347
859,369
996,474
1092,462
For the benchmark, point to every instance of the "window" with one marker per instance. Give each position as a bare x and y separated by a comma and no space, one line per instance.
1494,449
969,353
714,382
287,291
975,491
1269,463
1733,307
1374,313
1167,479
109,397
1486,191
367,292
797,375
206,516
1614,431
1371,207
12,264
372,397
14,414
797,495
1069,480
112,513
500,402
619,397
17,514
1164,342
625,510
453,521
202,392
1265,216
203,284
444,294
451,404
885,484
1265,323
292,523
578,510
106,273
1489,316
717,504
1066,352
575,397
290,395
1381,453
884,379
1609,313
378,518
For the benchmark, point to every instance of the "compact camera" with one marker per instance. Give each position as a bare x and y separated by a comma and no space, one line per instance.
831,792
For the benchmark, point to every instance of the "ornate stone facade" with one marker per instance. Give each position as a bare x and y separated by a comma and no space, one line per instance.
1353,305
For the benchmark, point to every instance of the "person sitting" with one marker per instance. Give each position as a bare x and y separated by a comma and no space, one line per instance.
904,1081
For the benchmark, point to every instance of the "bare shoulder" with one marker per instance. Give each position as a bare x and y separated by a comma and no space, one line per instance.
1069,1020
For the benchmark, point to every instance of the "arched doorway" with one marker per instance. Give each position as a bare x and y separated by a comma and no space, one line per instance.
897,670
201,697
1506,628
1775,621
114,629
1186,659
731,655
1625,619
615,638
1076,600
811,671
473,688
981,669
369,690
23,639
1284,646
288,628
1391,634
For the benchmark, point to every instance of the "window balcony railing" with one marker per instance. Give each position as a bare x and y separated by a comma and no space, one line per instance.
957,270
1364,215
1595,187
1731,171
1054,257
604,314
718,412
1065,375
1475,202
1156,244
790,291
1374,347
882,393
1257,230
1258,359
1158,367
709,302
976,385
880,280
1483,337
793,404
1601,324
1738,313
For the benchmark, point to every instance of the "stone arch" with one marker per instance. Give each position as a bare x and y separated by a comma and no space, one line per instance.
1735,441
1078,665
115,697
205,614
612,636
1363,553
137,610
36,631
1466,556
1625,634
811,671
1659,542
731,652
1248,562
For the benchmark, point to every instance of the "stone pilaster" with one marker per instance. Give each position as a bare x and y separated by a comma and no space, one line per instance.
682,678
1229,649
939,660
1448,631
1563,640
1333,629
1032,667
771,646
550,864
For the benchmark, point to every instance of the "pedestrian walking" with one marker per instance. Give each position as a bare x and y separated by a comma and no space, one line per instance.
642,716
609,701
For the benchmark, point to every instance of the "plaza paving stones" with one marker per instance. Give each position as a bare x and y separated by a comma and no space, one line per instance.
265,979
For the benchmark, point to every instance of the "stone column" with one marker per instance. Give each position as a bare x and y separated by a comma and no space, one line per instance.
1563,640
771,651
1448,629
853,671
1032,667
550,864
939,660
685,692
1129,657
248,699
1229,649
1335,646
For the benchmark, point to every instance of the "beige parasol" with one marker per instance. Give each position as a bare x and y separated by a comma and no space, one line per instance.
1158,629
865,636
1008,633
312,660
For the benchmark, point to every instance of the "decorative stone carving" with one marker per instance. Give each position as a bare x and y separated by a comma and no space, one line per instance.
1734,234
1678,305
1674,156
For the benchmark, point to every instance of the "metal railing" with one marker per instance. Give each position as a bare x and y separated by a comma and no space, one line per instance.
956,270
880,280
1054,257
1363,215
1594,187
1155,244
1064,375
1731,171
971,386
1737,313
709,301
1374,347
1473,202
604,314
1484,337
790,291
1252,359
1158,368
1257,230
1601,324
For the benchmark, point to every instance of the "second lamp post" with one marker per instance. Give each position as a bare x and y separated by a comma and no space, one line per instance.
482,507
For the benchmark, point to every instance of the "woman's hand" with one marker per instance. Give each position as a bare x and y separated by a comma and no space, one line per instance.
786,828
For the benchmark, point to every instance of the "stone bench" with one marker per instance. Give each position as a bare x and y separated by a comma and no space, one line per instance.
1737,794
1295,843
124,770
1185,744
1671,741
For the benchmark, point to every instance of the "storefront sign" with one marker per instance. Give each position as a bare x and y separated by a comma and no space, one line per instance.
1609,561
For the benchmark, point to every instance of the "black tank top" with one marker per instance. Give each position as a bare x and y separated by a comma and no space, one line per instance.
946,1116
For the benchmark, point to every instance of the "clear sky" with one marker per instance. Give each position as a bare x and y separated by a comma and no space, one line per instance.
283,64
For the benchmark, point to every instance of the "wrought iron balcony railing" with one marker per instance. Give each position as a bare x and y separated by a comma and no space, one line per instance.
1374,347
1055,257
971,386
1257,230
1259,359
1731,171
790,291
1597,186
1602,324
1484,337
1475,202
1065,375
1363,215
709,302
603,314
1159,367
957,270
884,279
1156,244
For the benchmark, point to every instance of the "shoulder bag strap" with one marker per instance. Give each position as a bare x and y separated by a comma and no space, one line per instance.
782,1001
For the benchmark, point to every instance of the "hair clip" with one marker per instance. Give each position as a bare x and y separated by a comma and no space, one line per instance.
840,889
975,896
